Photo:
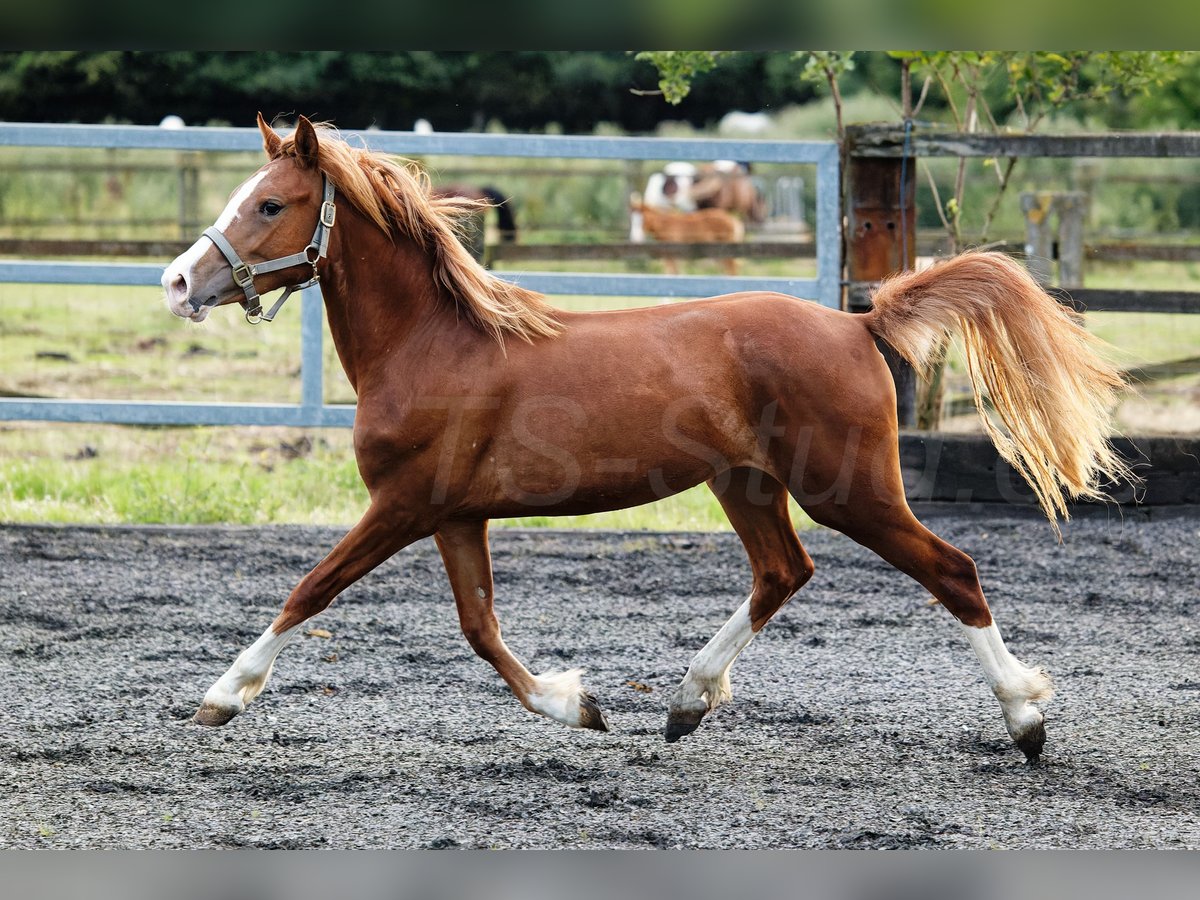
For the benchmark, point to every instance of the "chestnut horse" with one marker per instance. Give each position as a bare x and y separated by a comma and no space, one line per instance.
477,399
699,227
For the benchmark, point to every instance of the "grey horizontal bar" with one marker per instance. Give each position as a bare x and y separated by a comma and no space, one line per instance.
871,141
150,137
123,412
657,285
128,274
598,284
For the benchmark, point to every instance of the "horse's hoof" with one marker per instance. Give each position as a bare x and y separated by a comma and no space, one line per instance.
214,716
1031,742
590,713
681,722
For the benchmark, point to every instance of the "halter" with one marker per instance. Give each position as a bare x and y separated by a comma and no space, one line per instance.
243,274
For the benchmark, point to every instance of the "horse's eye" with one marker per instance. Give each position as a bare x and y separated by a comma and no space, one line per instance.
270,208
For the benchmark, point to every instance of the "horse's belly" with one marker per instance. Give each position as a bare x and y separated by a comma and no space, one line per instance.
582,484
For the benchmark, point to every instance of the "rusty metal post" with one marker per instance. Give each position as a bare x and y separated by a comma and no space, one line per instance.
881,240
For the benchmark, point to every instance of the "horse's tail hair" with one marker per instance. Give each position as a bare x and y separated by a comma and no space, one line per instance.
1041,369
506,220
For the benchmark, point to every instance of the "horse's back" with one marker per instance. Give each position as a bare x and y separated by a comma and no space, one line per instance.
762,341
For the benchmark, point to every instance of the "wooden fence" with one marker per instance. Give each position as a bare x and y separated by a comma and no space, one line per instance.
955,471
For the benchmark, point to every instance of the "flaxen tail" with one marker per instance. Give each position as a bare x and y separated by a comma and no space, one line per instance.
1040,368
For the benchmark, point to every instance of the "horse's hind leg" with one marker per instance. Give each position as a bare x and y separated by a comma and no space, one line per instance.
756,505
375,538
558,696
890,529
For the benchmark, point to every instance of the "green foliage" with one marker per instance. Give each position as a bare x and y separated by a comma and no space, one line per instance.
822,66
678,68
1038,82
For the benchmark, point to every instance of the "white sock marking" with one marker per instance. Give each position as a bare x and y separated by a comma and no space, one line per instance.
707,678
246,678
1016,685
557,696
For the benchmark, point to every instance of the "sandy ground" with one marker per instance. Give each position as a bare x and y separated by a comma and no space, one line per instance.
860,718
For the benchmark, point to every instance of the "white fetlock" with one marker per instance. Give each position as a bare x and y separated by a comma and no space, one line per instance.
699,691
1017,686
244,680
556,696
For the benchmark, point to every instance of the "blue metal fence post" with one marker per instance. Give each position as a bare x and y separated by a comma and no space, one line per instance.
829,228
312,358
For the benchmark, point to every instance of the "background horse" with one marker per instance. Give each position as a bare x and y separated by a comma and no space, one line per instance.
724,184
478,399
488,198
705,226
727,185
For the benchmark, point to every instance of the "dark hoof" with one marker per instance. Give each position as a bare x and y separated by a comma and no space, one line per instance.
590,714
214,716
1032,742
681,722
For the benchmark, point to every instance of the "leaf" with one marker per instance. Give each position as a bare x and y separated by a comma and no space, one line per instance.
319,633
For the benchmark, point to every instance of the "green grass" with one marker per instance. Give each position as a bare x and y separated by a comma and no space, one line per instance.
91,474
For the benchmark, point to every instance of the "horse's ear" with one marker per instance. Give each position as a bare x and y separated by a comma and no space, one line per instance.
306,143
271,141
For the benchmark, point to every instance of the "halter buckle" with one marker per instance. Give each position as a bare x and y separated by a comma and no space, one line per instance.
328,213
242,276
254,316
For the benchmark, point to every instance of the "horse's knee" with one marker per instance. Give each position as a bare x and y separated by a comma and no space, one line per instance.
483,636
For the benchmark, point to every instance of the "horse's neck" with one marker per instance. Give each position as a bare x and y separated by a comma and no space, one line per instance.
379,295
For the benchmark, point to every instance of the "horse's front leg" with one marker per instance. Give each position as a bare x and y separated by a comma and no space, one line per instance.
558,695
380,534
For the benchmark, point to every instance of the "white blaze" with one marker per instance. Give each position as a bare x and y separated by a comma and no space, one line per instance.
229,215
185,264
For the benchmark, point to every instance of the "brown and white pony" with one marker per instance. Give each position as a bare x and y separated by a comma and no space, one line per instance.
704,226
476,398
727,185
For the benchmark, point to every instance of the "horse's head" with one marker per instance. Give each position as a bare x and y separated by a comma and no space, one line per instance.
271,225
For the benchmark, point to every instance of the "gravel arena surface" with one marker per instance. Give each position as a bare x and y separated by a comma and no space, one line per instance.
860,717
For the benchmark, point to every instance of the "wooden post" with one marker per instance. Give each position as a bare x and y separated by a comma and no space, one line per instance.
1039,235
1072,211
189,194
635,183
881,239
1061,237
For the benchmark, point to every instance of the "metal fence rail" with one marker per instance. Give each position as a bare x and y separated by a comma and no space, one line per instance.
312,411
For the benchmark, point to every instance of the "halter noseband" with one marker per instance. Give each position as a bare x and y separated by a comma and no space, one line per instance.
243,274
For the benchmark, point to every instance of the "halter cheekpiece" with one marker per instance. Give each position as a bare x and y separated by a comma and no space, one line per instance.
243,273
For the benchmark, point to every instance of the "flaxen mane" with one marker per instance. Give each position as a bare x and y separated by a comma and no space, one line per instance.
396,196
